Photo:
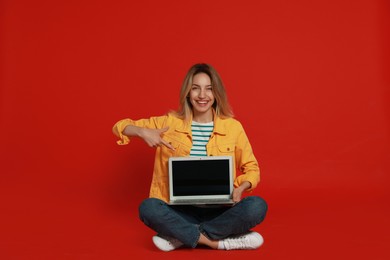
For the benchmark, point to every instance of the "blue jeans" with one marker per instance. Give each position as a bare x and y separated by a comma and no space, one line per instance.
186,223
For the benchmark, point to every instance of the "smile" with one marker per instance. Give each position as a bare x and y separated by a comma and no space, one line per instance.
202,102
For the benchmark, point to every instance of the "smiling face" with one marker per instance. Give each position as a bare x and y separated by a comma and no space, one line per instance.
202,98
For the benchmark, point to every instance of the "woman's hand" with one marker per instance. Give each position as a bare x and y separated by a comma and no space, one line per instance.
237,192
153,137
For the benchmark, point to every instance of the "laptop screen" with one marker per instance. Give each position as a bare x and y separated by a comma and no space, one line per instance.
202,176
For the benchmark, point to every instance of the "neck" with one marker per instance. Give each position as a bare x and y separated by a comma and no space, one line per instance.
203,118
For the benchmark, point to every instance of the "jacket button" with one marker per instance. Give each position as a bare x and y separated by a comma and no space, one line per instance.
228,149
211,155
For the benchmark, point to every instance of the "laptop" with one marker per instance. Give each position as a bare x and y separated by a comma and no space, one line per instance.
205,180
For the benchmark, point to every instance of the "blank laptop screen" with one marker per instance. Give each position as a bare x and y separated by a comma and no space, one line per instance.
200,177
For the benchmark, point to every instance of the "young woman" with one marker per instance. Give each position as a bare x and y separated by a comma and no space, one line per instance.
203,104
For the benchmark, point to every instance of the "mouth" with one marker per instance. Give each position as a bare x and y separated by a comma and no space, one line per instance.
202,102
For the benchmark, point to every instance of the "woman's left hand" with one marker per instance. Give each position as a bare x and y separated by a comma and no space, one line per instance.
237,192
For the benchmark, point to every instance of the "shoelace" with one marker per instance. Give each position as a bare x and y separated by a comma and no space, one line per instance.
237,242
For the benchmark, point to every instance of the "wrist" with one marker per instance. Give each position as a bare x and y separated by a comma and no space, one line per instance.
245,185
140,132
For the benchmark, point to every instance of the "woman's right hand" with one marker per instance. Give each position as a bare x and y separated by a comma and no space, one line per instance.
153,137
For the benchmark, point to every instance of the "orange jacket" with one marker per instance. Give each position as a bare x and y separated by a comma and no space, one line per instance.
228,138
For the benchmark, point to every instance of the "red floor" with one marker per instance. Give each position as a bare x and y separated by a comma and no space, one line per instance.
300,225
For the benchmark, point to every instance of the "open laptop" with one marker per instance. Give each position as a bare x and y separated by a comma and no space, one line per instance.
200,180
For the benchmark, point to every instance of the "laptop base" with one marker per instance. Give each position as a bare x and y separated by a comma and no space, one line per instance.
202,202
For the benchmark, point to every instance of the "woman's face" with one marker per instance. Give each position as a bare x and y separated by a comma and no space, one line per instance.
201,94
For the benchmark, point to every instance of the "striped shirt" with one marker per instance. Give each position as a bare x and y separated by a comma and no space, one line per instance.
201,133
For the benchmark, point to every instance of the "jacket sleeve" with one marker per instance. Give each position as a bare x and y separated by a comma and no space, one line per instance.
246,162
153,123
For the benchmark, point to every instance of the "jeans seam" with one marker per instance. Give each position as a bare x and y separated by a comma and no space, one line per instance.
196,241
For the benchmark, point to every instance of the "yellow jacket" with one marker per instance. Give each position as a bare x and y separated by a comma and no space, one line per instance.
228,138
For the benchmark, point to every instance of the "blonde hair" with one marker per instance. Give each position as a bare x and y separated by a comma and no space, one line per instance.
221,104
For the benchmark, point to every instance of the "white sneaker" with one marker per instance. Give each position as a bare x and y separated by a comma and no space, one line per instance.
166,244
251,240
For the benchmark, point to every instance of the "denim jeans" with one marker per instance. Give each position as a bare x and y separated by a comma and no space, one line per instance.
186,223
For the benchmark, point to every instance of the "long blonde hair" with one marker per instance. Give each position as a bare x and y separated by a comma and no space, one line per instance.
221,104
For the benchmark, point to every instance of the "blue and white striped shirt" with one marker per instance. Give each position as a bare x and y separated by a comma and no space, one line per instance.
201,133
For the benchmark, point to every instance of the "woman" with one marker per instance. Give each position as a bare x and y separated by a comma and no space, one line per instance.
203,104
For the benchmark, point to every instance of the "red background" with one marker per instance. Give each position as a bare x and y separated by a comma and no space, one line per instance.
308,79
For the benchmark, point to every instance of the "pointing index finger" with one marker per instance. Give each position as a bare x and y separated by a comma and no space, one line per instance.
168,145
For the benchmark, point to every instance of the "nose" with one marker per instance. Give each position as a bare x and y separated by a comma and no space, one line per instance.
202,93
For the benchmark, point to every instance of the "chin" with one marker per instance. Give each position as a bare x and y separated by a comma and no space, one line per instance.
203,110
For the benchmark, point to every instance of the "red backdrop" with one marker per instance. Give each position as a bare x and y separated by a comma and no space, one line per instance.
308,79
